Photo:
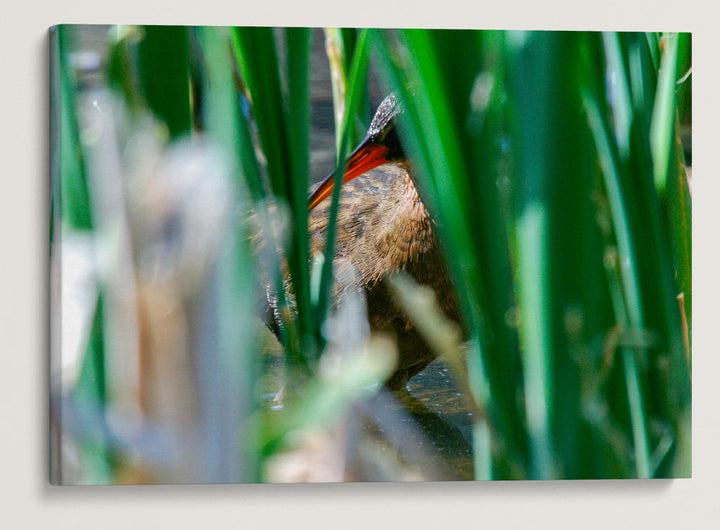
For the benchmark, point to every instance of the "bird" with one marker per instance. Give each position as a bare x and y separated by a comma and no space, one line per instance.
383,227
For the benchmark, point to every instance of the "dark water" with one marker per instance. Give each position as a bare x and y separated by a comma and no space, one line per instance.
423,432
446,419
430,426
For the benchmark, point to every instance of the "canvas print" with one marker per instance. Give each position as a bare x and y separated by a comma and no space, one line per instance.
336,255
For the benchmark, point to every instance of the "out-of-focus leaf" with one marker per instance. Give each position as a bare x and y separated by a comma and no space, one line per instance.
67,166
164,73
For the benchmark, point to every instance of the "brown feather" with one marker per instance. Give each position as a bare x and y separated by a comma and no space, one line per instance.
384,227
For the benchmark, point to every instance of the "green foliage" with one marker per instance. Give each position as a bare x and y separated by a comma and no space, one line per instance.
552,165
547,279
164,73
281,113
66,156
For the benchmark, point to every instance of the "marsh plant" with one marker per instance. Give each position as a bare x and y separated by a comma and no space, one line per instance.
553,168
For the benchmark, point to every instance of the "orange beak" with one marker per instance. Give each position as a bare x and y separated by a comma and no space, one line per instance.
367,155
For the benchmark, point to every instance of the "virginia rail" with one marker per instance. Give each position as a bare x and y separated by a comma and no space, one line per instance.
383,227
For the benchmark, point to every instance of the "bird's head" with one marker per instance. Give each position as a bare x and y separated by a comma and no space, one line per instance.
380,146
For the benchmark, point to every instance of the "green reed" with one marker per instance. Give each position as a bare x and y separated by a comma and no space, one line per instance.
552,165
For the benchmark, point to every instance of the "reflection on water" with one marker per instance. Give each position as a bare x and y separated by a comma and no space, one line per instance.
442,412
423,432
427,428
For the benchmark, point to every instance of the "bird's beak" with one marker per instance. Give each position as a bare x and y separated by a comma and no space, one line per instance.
367,155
